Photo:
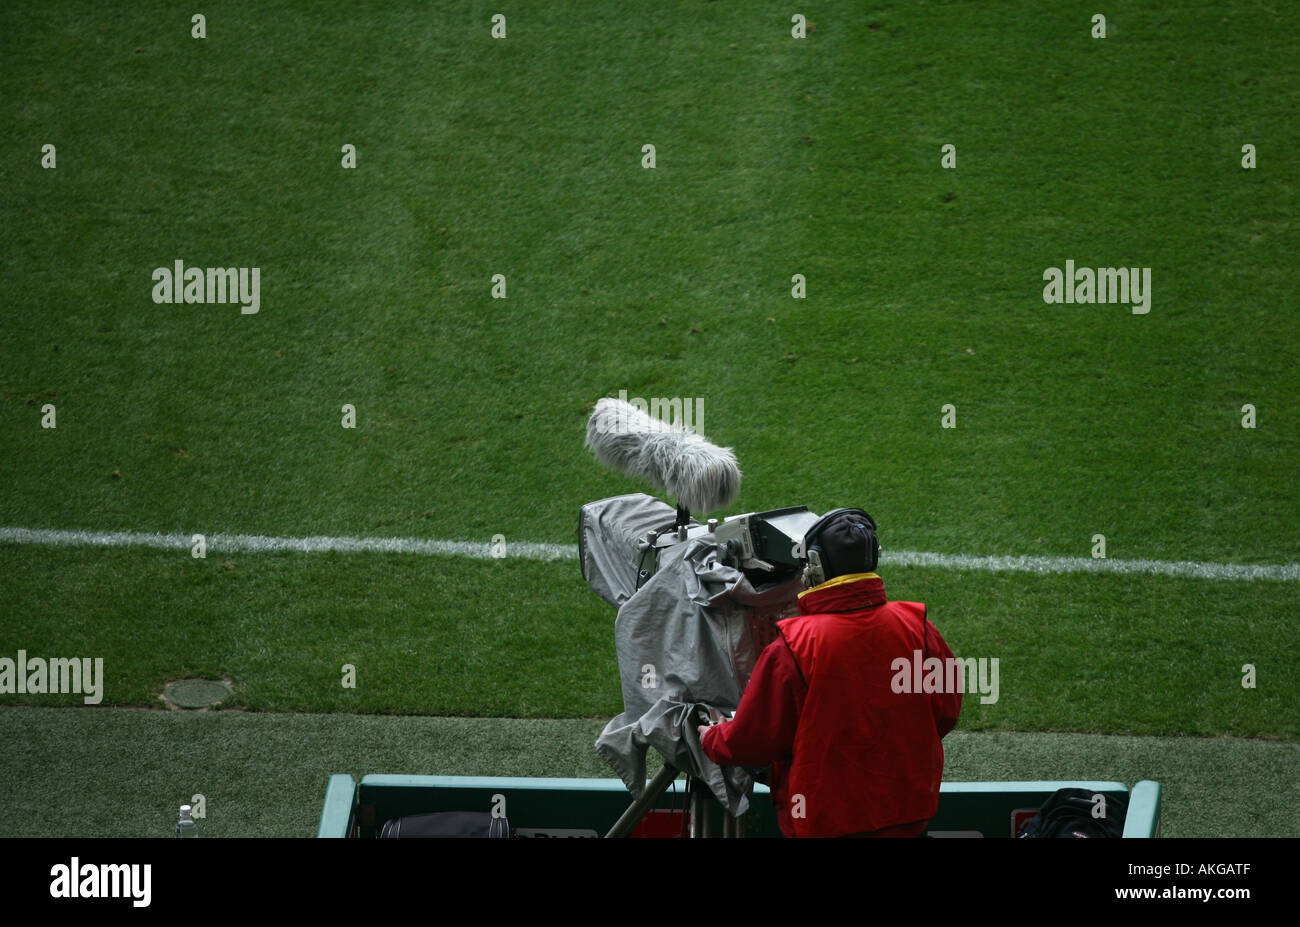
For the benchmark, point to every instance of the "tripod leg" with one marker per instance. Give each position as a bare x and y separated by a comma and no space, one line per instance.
637,810
704,810
699,814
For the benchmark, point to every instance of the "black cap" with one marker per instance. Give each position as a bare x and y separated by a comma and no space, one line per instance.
847,543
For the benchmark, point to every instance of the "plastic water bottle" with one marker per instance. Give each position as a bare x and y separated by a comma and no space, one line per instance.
186,827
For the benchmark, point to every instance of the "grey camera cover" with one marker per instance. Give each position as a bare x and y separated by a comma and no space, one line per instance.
683,640
611,537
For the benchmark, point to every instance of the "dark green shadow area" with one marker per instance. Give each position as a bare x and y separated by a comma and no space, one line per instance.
105,772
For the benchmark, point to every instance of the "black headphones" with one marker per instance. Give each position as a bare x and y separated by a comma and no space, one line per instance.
815,571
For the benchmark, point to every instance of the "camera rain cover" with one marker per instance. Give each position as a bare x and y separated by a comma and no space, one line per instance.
690,636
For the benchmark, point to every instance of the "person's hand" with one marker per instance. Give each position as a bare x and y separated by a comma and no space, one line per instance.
712,717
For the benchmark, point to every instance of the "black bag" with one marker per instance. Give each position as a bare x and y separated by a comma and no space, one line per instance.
1070,813
447,824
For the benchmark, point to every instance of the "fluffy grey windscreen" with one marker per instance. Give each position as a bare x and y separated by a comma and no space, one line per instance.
699,475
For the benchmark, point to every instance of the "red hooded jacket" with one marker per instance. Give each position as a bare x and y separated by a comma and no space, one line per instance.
850,754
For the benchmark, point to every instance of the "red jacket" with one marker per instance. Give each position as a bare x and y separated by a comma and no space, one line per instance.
850,755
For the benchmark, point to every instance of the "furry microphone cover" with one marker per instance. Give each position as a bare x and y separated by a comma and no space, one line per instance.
701,476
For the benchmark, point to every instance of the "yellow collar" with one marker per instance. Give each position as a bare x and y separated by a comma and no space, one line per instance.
840,580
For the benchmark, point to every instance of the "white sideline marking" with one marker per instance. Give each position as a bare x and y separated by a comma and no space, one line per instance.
1191,569
253,543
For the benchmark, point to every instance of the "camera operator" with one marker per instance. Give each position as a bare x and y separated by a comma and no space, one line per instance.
850,755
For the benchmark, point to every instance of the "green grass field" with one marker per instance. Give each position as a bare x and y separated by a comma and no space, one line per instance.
522,157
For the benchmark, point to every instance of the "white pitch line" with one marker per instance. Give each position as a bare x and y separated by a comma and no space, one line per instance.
253,543
1189,569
